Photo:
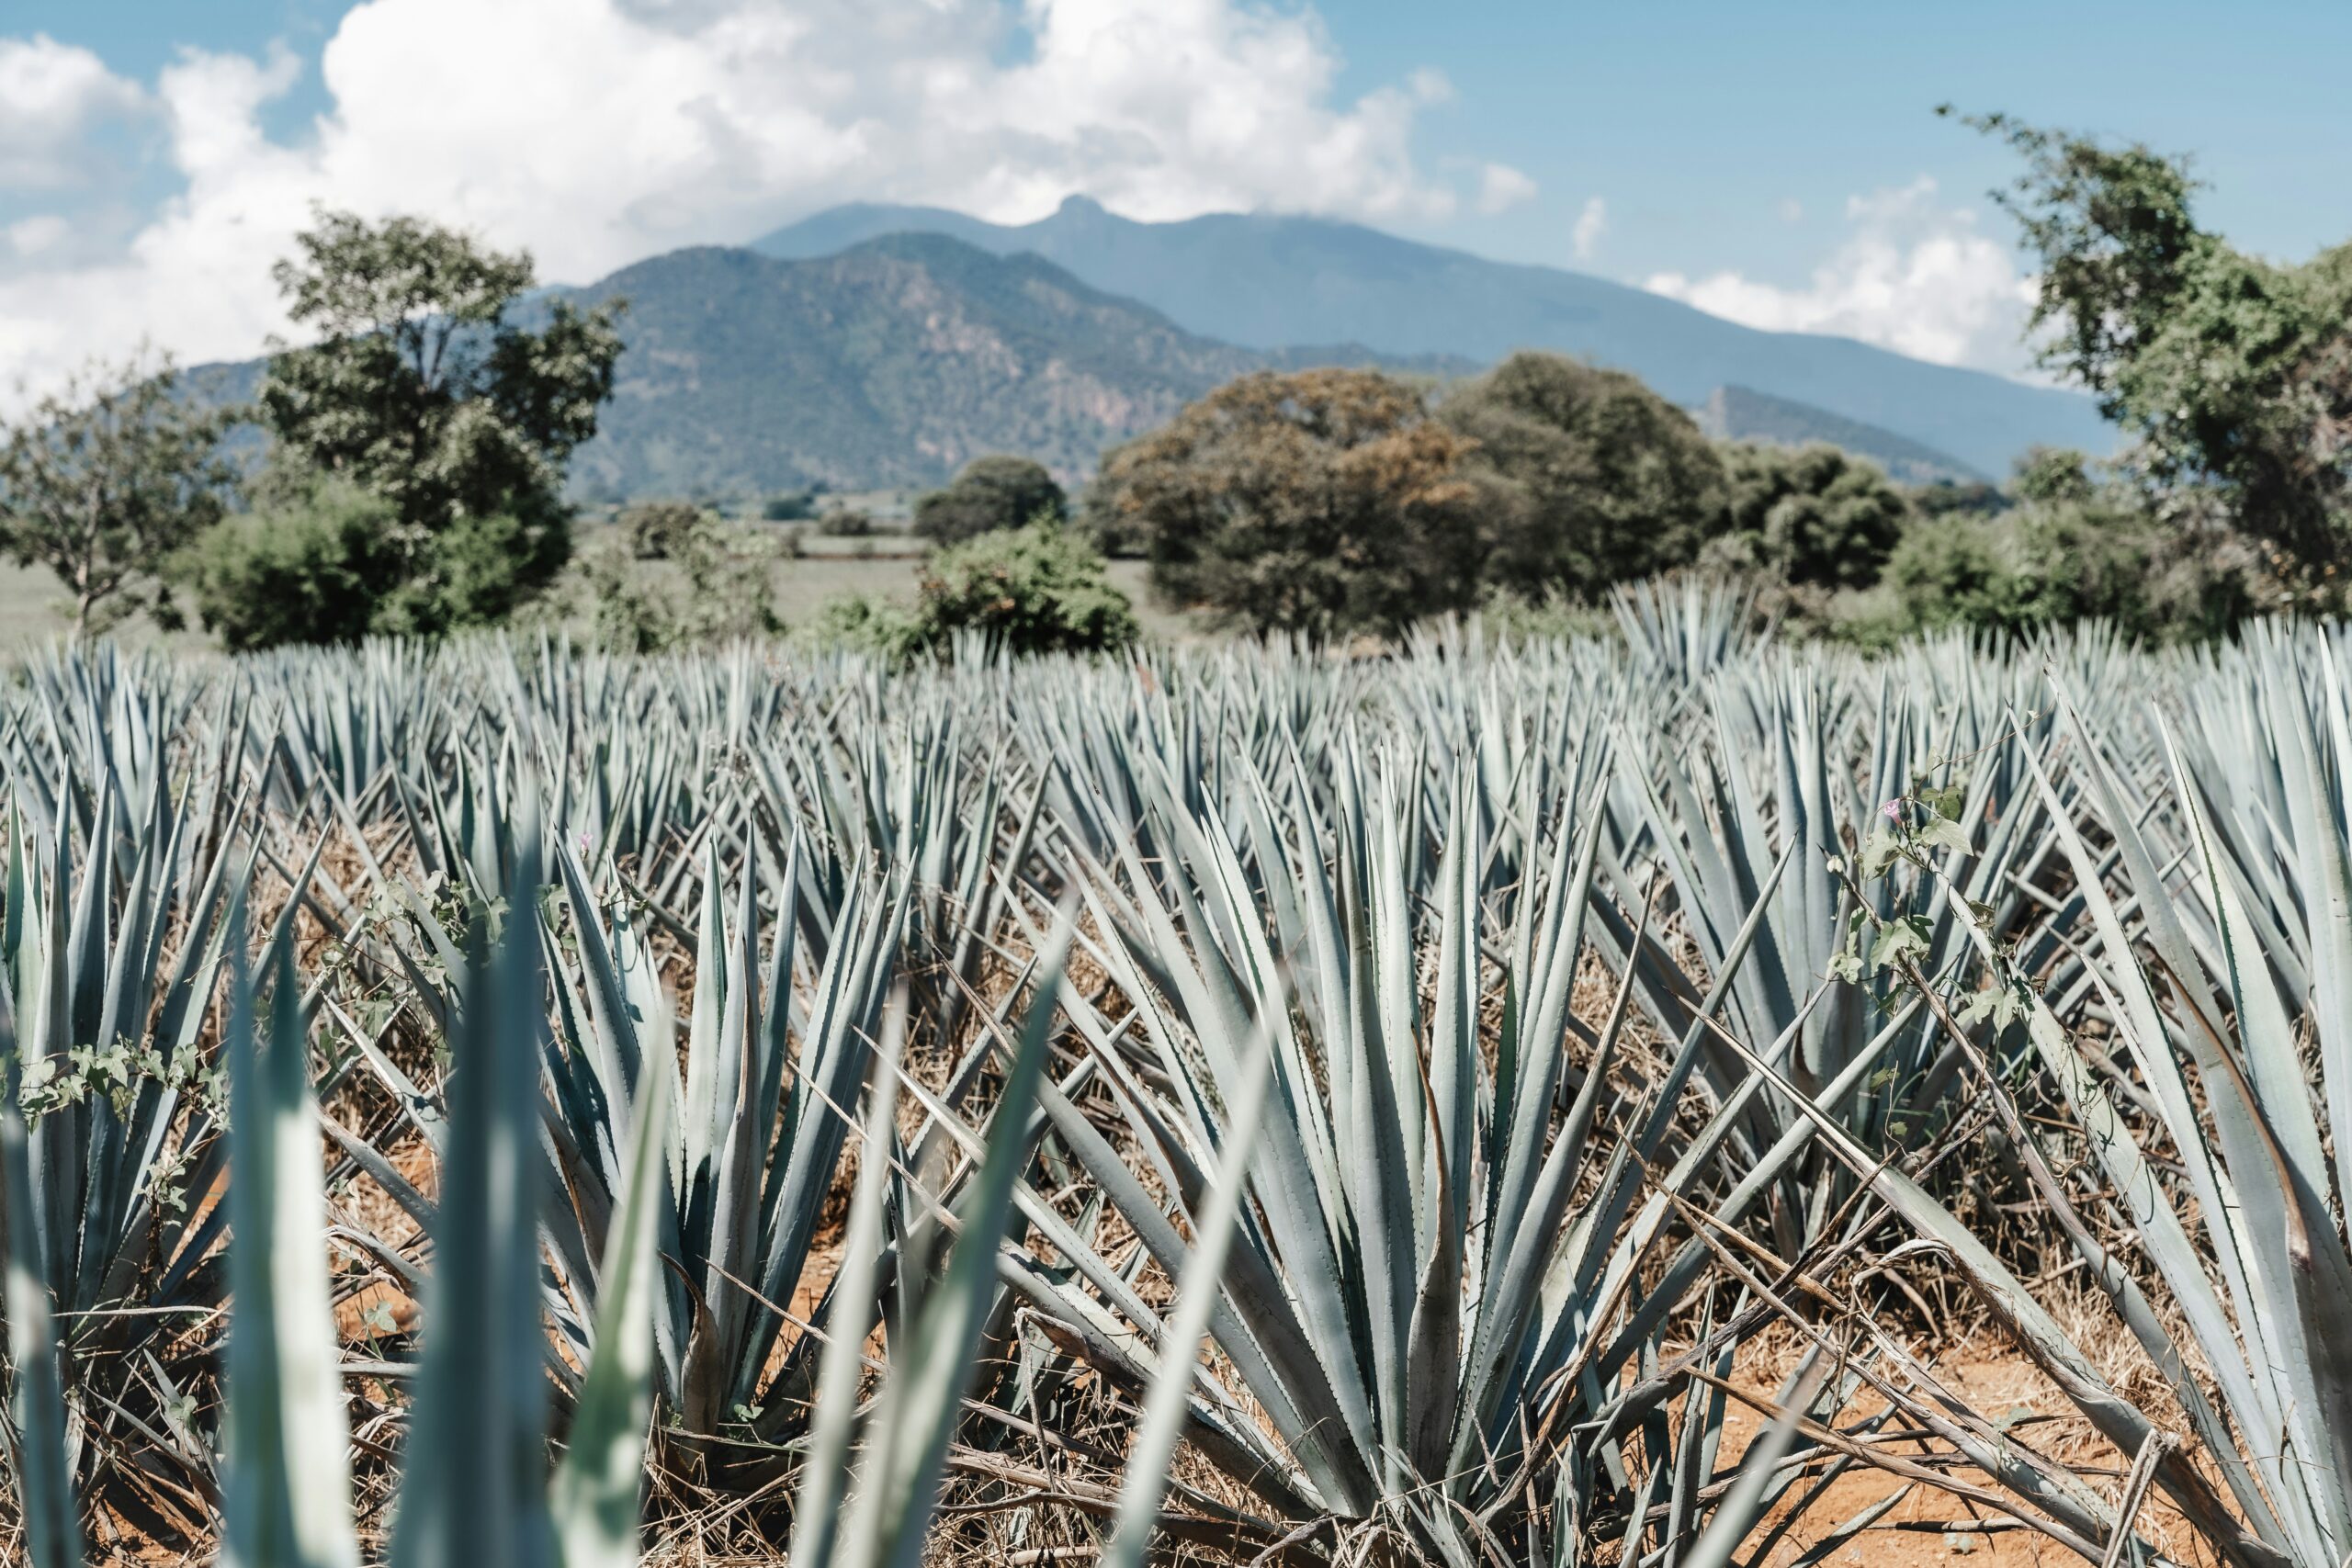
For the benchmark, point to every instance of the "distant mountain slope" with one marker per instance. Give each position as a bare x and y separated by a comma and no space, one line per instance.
1741,413
896,361
1263,282
891,363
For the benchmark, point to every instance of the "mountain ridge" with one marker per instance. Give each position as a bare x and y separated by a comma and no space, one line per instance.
1261,281
892,362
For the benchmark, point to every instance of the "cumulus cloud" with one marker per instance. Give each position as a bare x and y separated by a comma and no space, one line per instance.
1500,187
1912,276
1591,223
54,97
598,131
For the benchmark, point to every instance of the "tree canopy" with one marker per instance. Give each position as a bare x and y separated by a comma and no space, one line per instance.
2233,372
104,482
1320,501
1812,516
990,493
420,391
1585,476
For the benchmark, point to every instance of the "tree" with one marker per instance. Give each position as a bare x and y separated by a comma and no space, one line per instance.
304,566
420,391
104,480
2233,371
2077,545
1588,478
1322,501
990,493
1035,589
1809,517
656,529
717,587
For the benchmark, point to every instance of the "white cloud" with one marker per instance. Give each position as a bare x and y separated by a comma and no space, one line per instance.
53,96
598,131
1591,223
41,232
1500,187
1912,276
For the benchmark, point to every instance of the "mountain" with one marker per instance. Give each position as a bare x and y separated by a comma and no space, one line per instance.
890,362
894,361
1264,281
1742,413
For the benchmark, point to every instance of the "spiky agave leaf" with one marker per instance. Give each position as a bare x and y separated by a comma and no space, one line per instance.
286,1498
36,1424
474,1483
889,1504
595,1497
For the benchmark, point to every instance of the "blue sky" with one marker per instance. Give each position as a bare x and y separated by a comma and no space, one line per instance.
1780,164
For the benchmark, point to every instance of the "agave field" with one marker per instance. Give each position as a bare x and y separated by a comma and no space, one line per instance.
1481,1105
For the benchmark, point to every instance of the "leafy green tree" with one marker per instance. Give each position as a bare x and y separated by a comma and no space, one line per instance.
655,529
1033,590
1808,516
718,586
304,566
1036,589
1951,497
1585,476
2076,545
990,493
1323,501
420,389
2232,371
103,481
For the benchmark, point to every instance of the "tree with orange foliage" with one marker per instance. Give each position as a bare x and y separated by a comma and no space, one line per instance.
1324,502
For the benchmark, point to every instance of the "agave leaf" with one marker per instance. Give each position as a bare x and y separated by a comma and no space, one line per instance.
474,1485
593,1498
288,1499
35,1398
1196,1291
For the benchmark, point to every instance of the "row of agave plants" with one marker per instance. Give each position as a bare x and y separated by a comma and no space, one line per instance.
498,1102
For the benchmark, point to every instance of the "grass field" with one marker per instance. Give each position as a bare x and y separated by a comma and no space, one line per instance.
887,565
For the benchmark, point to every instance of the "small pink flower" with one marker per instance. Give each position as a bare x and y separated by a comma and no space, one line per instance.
1893,812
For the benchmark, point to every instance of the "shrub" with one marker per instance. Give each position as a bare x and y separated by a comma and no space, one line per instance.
654,527
1038,589
1519,618
846,522
323,561
716,588
1809,517
476,571
798,507
303,569
991,493
1325,502
2047,565
863,624
1586,476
